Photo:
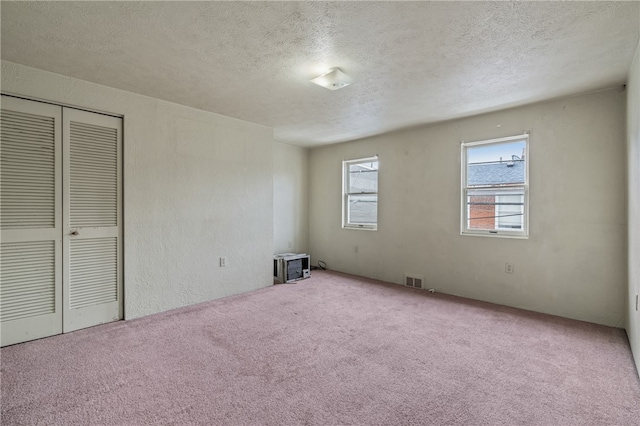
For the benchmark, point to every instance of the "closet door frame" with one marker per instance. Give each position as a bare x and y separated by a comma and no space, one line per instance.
58,322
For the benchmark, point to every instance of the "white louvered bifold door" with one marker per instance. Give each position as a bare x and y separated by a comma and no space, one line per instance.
92,243
30,220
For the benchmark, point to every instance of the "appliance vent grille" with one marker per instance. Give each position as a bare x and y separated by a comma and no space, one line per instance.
413,281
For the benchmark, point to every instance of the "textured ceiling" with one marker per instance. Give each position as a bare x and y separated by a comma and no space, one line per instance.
412,62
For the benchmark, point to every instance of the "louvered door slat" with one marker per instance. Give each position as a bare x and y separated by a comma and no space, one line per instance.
38,132
95,144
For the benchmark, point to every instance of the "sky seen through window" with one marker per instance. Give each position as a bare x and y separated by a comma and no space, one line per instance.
487,153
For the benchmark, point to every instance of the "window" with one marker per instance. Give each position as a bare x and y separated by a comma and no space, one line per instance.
360,200
495,187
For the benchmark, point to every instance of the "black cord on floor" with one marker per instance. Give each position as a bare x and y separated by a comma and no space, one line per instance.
321,266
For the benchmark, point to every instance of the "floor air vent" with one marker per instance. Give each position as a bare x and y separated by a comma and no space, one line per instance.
411,281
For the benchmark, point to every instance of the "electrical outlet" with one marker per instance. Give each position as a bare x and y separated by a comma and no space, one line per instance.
508,268
223,261
355,249
290,245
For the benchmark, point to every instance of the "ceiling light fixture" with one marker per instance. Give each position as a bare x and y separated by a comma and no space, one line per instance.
334,79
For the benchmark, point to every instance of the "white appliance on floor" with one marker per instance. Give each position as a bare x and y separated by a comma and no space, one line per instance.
291,267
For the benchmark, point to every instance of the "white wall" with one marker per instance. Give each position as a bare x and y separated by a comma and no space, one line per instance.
633,155
197,186
573,264
290,199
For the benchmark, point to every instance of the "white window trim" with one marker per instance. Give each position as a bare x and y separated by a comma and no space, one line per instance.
464,211
345,194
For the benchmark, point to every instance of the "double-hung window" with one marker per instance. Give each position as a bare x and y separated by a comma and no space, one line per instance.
495,187
360,193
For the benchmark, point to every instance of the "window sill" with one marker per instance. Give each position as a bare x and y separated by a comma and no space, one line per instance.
360,228
495,235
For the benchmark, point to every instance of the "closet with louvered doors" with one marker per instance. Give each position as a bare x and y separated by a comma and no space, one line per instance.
61,220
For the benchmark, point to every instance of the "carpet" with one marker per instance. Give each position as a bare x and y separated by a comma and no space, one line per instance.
333,349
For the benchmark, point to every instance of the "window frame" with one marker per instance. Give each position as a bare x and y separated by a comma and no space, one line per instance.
346,224
464,207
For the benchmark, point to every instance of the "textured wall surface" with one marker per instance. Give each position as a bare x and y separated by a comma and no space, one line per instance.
633,170
572,265
197,186
412,62
290,199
